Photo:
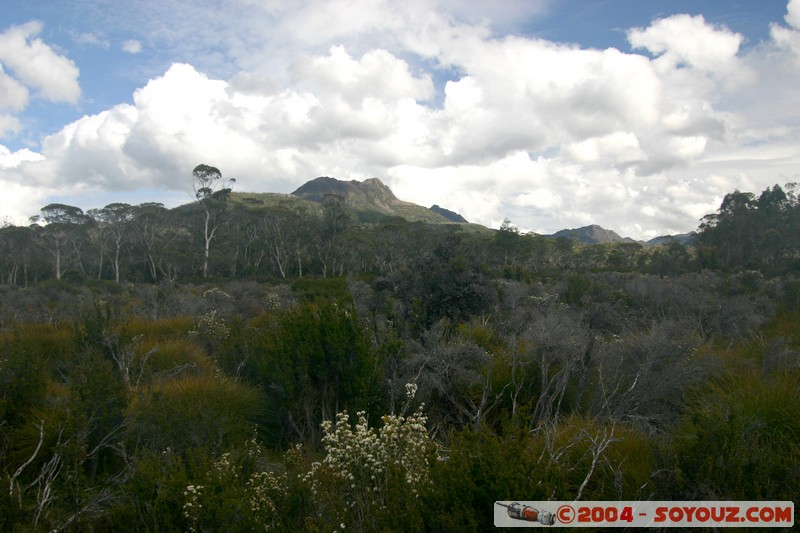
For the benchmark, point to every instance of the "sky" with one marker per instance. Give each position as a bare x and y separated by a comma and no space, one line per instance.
635,115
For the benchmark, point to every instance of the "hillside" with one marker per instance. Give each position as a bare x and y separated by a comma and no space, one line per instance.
683,238
274,200
452,216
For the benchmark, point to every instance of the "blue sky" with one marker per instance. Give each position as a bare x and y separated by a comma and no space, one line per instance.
635,115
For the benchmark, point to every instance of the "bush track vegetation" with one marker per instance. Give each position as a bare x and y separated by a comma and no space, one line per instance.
314,372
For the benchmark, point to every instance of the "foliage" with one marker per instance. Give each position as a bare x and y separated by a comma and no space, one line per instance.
191,412
137,395
753,233
576,459
236,491
740,439
311,361
367,473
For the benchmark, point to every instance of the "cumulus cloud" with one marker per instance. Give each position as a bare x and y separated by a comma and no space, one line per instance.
9,159
377,74
789,38
19,199
35,64
184,117
793,14
687,40
447,110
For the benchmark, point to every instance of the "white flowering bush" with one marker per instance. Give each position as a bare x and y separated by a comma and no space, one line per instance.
367,470
192,508
211,330
235,492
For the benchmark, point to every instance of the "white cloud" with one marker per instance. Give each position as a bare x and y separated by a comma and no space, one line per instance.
9,159
19,200
377,74
8,124
13,95
789,38
93,38
685,40
540,198
132,46
793,14
34,63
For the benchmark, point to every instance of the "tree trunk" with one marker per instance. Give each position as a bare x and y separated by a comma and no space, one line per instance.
208,244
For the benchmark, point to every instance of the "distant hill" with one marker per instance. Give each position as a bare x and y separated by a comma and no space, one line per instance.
593,234
683,238
370,200
452,216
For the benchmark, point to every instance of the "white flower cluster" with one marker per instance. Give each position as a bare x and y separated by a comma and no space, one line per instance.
224,470
363,462
211,327
294,455
411,390
260,488
191,508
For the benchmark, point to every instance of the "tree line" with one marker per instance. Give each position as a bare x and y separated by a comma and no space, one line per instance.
221,237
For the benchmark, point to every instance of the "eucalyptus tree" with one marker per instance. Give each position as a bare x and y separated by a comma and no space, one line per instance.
58,227
336,220
506,242
113,220
16,246
150,232
753,233
279,228
246,246
212,191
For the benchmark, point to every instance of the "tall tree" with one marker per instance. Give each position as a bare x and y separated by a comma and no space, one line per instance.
753,233
16,243
282,229
212,191
507,240
335,221
146,224
62,226
114,219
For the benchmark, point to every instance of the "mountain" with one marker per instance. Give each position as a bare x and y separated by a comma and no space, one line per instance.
593,234
452,216
370,200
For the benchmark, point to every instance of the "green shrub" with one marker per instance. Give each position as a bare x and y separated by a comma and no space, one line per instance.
741,440
193,412
175,357
577,458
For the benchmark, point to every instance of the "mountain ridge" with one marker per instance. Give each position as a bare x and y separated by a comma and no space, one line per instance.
372,199
595,234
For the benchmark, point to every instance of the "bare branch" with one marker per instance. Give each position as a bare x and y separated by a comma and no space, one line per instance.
29,461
